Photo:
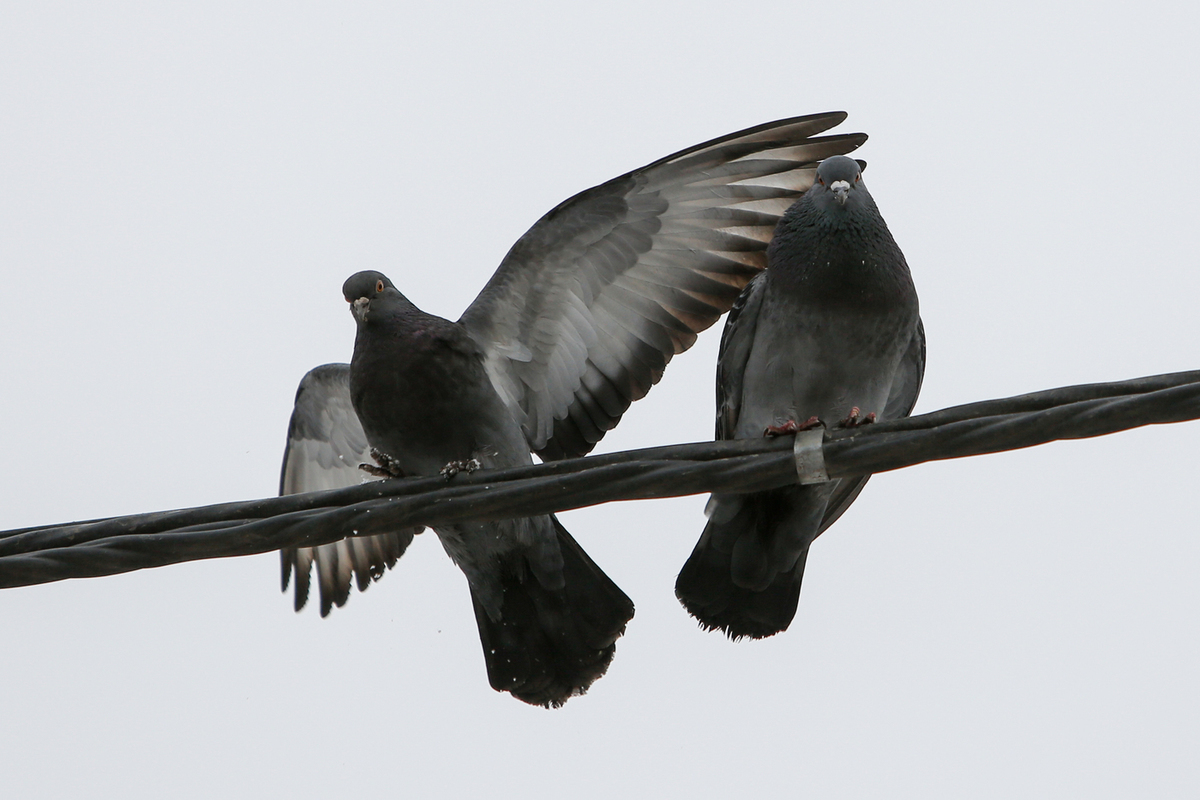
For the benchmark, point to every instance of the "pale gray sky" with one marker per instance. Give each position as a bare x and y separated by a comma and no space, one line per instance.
182,193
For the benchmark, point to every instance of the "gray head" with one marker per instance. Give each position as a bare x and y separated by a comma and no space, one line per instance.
840,178
364,288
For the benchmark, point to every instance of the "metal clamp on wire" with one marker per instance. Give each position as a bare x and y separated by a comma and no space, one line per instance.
810,459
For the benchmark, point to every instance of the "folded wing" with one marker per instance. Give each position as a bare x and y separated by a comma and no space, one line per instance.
901,399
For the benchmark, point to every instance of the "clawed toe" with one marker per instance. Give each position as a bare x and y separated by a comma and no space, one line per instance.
388,467
854,420
791,426
455,467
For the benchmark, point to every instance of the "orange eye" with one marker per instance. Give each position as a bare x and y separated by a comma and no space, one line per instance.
820,180
378,287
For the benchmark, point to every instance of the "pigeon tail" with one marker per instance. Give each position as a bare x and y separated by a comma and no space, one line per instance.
550,645
743,577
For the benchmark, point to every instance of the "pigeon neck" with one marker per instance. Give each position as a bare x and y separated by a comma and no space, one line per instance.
843,258
395,316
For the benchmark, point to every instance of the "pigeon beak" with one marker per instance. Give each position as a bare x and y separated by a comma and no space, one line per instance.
841,190
360,307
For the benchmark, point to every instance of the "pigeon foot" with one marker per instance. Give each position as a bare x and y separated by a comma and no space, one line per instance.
455,467
388,467
791,426
853,420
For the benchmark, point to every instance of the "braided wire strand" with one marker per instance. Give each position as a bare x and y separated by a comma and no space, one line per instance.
110,546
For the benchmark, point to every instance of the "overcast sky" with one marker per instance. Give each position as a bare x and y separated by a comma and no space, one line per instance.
183,191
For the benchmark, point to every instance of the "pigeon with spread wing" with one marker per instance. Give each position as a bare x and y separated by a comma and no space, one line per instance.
580,320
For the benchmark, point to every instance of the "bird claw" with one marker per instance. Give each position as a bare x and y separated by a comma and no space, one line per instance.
455,467
853,420
791,426
388,466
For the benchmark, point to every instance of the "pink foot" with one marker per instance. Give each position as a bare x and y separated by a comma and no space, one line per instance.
853,420
791,426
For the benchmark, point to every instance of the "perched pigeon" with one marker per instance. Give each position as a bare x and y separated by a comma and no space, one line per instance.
831,330
583,314
548,617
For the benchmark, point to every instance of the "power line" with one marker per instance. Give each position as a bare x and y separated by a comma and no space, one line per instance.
48,553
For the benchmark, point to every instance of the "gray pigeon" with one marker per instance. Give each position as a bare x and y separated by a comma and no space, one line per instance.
582,316
831,330
548,617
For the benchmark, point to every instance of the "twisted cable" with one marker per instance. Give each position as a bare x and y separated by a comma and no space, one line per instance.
110,546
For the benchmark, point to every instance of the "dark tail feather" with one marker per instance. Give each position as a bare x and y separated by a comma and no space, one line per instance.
550,645
705,587
744,575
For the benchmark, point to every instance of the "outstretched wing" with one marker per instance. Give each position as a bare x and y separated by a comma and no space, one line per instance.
325,445
590,304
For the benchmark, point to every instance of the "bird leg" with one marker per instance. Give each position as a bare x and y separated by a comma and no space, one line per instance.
388,466
853,420
791,426
455,467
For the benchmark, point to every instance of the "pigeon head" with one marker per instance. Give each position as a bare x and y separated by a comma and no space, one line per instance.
362,289
839,179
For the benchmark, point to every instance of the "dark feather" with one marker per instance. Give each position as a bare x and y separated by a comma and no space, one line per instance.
325,445
621,277
831,322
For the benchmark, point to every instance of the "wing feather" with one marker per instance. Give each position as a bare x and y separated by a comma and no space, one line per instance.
326,444
736,342
901,399
589,306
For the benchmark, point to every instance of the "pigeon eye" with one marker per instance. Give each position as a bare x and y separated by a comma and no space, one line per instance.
378,287
820,180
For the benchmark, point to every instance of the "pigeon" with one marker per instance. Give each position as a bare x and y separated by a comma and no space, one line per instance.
829,333
580,319
548,616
